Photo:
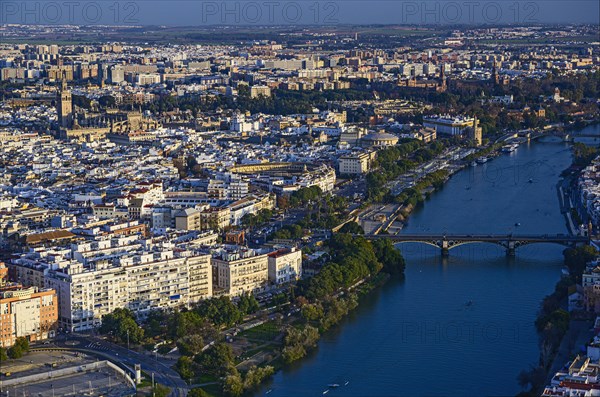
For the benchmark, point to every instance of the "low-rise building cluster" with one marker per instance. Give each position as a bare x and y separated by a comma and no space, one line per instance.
589,191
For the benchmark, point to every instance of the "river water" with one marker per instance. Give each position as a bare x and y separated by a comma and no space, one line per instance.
456,326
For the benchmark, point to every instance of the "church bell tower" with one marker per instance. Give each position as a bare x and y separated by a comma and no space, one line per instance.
65,105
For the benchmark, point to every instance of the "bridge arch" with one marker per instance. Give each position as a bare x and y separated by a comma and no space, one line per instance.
426,242
508,242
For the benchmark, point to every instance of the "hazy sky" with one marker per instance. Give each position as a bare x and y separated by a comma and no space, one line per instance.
287,12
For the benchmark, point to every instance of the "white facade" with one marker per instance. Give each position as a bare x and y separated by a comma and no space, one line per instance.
241,271
285,266
93,279
448,125
355,163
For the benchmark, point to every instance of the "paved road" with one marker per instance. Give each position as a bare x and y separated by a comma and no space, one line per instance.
579,334
163,373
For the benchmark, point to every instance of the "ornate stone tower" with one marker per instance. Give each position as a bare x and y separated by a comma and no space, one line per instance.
64,105
477,132
495,75
442,83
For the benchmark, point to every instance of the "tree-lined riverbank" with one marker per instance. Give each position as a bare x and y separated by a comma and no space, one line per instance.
424,321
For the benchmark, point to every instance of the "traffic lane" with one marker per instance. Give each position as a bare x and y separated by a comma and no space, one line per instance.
163,374
144,359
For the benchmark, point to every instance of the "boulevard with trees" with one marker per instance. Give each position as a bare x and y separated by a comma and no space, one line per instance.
396,160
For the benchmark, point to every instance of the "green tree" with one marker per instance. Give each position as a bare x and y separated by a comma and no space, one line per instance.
256,375
185,367
187,322
221,311
233,385
336,308
107,101
197,392
312,312
389,256
15,352
577,258
248,304
3,355
122,325
23,343
20,348
534,376
304,195
352,228
130,331
584,154
297,341
217,360
161,390
157,323
288,232
190,345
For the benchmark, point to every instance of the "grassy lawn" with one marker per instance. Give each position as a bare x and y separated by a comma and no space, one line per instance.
268,348
213,390
206,378
265,332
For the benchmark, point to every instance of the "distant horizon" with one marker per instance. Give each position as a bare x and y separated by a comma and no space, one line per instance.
267,13
299,25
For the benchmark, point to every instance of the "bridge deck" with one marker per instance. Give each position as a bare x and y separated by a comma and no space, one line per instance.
485,238
510,242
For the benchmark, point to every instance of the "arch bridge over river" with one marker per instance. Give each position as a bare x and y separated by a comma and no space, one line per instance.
445,242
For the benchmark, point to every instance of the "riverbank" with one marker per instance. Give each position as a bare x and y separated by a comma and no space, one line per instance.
561,333
249,357
561,339
407,325
428,186
564,191
321,367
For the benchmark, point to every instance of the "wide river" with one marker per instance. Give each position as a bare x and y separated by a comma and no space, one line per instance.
456,326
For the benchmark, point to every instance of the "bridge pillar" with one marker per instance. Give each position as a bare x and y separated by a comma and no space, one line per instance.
510,251
445,249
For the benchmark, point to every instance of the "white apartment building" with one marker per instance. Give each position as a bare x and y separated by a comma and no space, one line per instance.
323,177
448,125
228,186
94,278
151,192
162,218
285,265
187,199
355,163
241,270
240,124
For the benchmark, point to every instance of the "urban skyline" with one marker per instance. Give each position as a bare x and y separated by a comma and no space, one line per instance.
289,210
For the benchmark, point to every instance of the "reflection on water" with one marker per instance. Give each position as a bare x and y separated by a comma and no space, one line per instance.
462,325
